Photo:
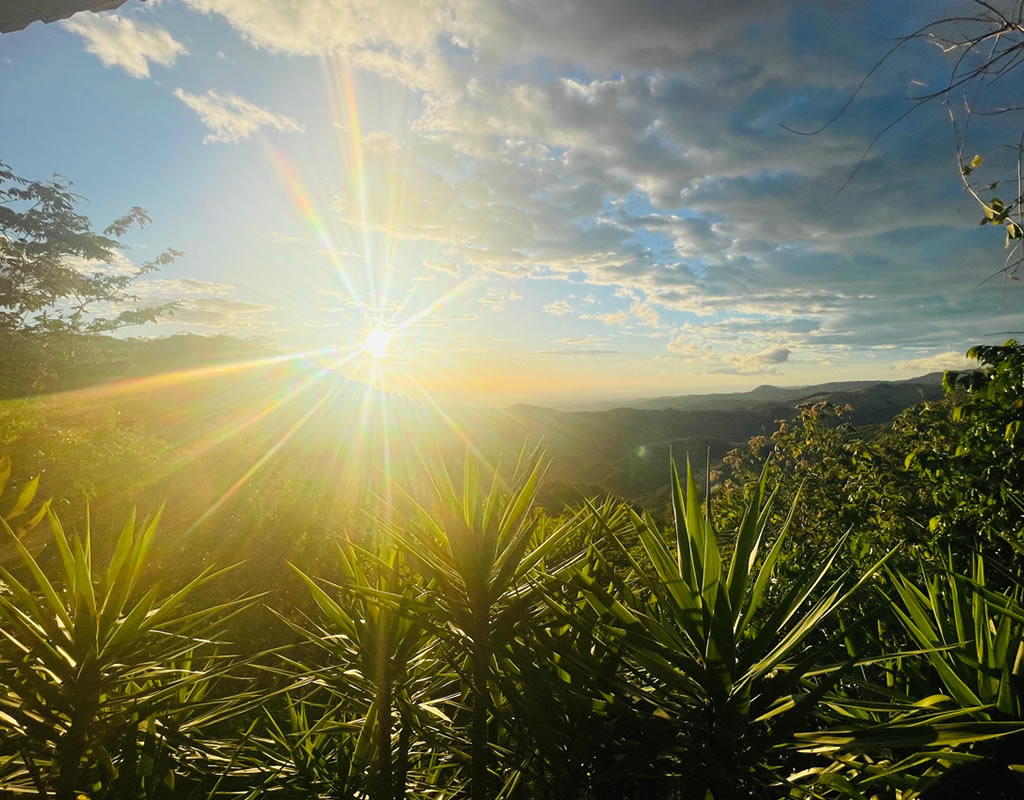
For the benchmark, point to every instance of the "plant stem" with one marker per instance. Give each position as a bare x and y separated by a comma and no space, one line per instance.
481,707
384,780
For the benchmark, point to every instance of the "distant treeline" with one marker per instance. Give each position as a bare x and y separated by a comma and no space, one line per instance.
41,363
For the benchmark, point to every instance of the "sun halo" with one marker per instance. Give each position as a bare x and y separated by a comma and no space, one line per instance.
377,342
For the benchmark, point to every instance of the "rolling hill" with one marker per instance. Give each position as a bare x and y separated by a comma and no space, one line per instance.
625,450
207,427
926,386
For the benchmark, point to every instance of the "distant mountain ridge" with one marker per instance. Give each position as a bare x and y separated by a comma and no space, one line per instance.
199,389
766,394
625,450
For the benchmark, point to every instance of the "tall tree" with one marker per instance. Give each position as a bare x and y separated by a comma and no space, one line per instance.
57,275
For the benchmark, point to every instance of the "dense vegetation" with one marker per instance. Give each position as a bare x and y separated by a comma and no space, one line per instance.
842,619
315,601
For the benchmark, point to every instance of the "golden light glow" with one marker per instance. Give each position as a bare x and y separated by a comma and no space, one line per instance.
378,341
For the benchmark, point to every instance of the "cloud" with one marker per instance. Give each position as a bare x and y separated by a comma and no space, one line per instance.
119,264
209,305
952,359
763,363
583,341
574,352
219,313
558,307
231,118
496,300
776,355
390,37
441,266
685,343
611,318
640,310
695,343
728,41
190,286
587,141
120,41
277,237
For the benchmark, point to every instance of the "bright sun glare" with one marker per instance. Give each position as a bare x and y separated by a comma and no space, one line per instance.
377,342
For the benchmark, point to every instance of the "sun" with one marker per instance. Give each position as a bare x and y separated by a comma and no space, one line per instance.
377,342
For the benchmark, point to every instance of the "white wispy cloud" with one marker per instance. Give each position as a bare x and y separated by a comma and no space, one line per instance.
611,318
207,306
570,351
685,343
223,314
394,38
593,342
446,267
121,42
558,308
231,118
951,359
495,300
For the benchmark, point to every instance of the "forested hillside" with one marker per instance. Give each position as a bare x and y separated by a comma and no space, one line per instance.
444,636
171,391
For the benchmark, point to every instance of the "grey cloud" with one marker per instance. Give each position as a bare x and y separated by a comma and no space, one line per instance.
661,166
778,355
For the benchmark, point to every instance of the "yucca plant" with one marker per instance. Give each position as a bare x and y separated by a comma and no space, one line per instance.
959,687
15,511
575,732
973,637
91,661
967,670
713,643
483,550
300,749
374,629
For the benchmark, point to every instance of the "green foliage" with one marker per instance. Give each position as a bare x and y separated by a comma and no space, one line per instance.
711,650
973,637
976,487
376,637
16,510
93,667
801,631
592,657
54,269
943,475
482,549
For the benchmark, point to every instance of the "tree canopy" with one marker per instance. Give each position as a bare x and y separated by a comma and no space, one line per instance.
58,275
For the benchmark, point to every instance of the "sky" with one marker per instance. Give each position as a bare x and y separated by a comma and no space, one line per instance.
529,200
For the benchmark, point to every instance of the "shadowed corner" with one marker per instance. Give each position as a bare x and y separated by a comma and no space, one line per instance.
18,14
